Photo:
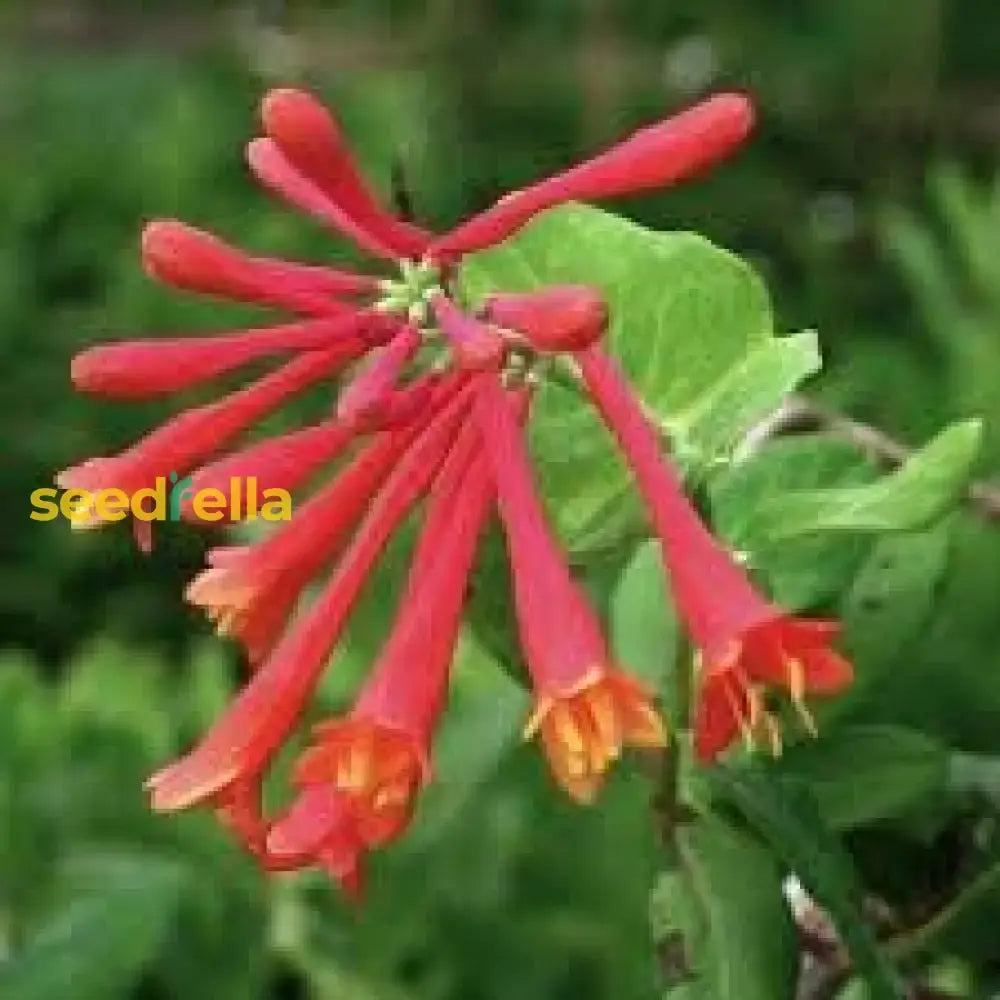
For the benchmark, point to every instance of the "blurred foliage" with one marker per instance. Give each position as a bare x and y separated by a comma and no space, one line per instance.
851,206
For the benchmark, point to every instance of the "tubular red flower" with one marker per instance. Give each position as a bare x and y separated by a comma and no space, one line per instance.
274,170
244,739
191,259
557,318
476,346
655,156
249,591
139,369
744,642
377,758
312,141
288,460
194,435
281,462
585,710
364,397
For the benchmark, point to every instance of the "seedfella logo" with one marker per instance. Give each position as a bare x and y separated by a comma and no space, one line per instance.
244,502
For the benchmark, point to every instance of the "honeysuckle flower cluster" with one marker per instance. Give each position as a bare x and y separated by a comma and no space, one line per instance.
432,411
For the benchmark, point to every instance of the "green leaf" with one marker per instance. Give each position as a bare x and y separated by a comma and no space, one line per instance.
691,325
891,599
913,496
723,910
787,817
643,621
859,774
797,572
116,915
747,394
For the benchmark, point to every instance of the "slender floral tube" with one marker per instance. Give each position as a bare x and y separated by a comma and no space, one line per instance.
194,435
653,157
585,710
249,591
556,318
276,172
312,141
475,345
193,260
365,395
745,643
141,369
244,739
377,758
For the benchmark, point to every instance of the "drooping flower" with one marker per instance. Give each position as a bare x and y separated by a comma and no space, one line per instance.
585,709
259,719
372,763
746,645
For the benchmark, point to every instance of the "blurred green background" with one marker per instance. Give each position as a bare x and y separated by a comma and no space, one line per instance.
868,200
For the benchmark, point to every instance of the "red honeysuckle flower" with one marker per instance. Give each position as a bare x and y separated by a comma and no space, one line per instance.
276,173
556,318
585,710
194,435
311,140
196,261
255,724
363,398
249,591
652,157
286,461
745,643
378,757
476,346
140,369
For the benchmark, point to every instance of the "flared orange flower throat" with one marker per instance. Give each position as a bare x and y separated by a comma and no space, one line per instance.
432,411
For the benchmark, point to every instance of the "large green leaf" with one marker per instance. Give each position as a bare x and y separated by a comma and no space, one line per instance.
911,497
787,817
690,323
117,911
859,774
723,910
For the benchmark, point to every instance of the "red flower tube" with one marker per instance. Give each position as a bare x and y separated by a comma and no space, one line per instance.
745,643
476,346
377,758
193,260
276,172
241,743
141,369
249,591
585,710
556,318
654,156
312,141
364,397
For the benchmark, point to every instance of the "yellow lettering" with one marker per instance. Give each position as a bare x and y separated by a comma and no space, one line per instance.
209,504
44,506
280,501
